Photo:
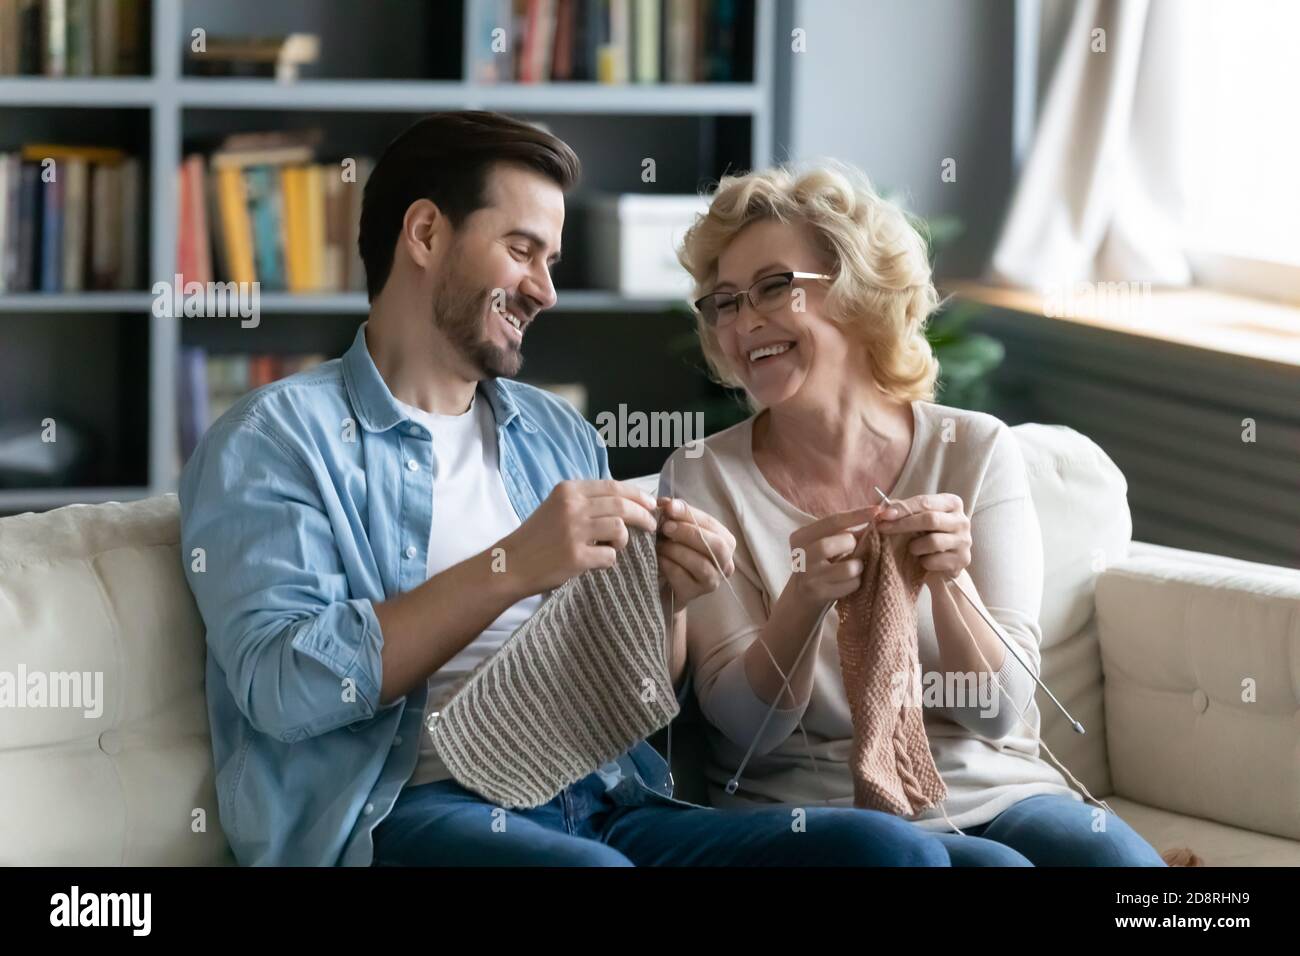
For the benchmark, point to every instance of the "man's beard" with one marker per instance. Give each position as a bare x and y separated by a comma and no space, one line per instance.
458,311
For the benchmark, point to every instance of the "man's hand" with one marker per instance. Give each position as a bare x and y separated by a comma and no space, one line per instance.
685,565
581,525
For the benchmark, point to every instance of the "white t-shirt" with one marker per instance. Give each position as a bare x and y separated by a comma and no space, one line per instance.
471,512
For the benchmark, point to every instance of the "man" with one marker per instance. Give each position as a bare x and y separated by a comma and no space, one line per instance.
348,517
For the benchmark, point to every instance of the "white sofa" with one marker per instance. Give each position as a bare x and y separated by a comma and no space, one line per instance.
1172,744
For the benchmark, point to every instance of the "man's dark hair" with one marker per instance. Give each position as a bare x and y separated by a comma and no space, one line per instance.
445,158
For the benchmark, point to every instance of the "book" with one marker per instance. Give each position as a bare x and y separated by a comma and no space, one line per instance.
79,42
31,47
192,415
301,218
723,42
562,65
237,230
131,21
608,41
209,384
107,20
68,224
38,152
680,55
216,234
193,253
54,37
76,211
647,15
263,185
294,223
313,231
7,225
51,269
106,222
30,216
616,53
262,156
131,275
10,38
334,263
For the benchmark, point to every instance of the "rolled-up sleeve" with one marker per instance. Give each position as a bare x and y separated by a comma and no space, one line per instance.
300,655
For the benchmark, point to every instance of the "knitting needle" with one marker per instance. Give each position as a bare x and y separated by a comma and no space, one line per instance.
668,643
734,783
1078,727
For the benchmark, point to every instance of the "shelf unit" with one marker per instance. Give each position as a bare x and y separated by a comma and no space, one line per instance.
170,96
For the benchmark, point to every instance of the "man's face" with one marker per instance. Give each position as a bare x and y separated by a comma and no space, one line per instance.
496,277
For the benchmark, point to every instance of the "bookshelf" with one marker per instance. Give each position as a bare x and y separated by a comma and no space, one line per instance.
377,87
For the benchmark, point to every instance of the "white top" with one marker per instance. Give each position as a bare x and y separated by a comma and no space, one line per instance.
988,761
471,512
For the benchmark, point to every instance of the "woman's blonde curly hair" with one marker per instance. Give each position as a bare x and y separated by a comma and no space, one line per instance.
883,293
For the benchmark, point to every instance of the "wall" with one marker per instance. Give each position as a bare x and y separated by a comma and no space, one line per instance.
896,88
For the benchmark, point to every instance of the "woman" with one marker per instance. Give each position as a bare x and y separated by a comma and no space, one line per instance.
813,294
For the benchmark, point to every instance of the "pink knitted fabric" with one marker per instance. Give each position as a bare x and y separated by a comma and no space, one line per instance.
891,763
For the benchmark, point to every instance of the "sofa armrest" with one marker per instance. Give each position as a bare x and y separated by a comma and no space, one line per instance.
1201,662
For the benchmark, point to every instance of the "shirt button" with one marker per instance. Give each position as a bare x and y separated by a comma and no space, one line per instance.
410,551
370,808
413,465
397,741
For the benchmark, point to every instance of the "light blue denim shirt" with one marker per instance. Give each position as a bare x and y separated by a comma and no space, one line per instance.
304,504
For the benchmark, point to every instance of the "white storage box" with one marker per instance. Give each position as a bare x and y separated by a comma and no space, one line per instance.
633,239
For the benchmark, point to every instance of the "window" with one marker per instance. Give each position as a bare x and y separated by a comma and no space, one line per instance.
1241,78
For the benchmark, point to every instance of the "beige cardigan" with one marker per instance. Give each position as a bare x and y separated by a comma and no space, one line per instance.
988,761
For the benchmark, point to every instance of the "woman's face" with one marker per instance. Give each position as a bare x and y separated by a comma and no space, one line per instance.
791,351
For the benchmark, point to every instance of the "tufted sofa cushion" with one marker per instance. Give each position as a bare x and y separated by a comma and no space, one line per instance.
98,590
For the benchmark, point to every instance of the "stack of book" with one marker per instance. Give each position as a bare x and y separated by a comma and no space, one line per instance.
73,37
606,41
209,384
69,219
259,209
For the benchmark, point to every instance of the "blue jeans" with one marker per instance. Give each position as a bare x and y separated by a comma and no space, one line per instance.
443,824
1050,830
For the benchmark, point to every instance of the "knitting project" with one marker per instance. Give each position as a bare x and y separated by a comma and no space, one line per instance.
580,682
892,767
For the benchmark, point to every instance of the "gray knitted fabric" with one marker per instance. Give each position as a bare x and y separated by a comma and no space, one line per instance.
581,681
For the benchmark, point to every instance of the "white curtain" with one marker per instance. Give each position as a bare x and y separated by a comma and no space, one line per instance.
1103,196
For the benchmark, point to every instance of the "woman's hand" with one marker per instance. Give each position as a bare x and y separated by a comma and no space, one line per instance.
692,540
820,552
942,541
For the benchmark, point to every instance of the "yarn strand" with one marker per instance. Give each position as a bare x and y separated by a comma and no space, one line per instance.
785,678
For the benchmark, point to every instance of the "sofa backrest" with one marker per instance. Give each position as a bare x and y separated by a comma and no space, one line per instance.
93,597
1082,502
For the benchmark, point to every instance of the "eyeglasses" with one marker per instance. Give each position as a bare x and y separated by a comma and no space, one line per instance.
769,294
